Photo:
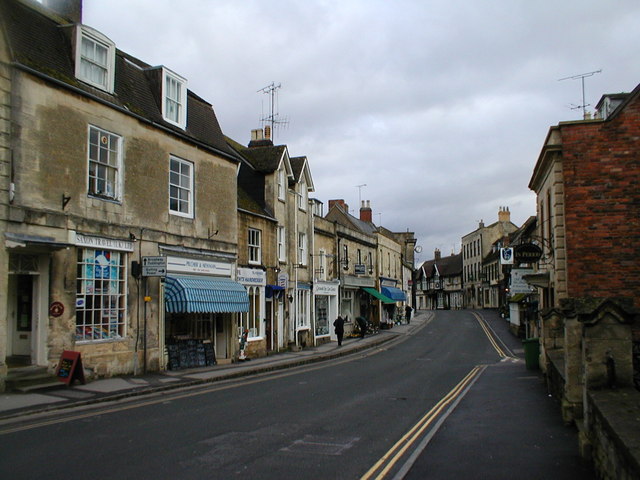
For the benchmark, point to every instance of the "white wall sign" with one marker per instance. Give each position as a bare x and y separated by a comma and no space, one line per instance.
89,241
251,276
194,265
325,288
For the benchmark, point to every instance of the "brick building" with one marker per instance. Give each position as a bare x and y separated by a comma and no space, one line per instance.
588,209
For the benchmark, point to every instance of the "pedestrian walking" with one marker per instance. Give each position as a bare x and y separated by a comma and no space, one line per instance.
362,323
407,312
338,325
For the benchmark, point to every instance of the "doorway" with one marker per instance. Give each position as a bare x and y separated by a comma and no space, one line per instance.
21,318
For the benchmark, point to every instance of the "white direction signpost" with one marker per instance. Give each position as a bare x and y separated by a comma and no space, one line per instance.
154,266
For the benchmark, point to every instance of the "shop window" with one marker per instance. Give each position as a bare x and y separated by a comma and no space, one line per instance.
322,320
251,319
100,295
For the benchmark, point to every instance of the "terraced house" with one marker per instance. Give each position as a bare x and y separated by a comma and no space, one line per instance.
106,160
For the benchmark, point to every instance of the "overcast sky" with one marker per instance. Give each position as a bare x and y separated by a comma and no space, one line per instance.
439,106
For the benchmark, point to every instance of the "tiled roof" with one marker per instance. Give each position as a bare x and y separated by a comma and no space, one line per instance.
39,42
264,159
450,266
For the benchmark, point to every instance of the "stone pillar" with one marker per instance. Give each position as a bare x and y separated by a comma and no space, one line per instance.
572,398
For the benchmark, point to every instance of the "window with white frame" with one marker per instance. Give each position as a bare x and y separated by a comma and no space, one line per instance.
180,187
100,295
281,184
302,248
174,105
255,250
282,250
105,158
303,198
95,58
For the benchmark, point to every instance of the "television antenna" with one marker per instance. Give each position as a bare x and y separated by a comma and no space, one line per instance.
581,76
359,187
273,117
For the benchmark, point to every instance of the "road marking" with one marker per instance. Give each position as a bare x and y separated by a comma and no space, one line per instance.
383,466
493,338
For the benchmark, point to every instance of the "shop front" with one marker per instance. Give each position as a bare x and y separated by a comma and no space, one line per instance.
253,322
355,302
325,296
203,306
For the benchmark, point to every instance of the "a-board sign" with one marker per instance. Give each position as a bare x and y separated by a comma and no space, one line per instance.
70,367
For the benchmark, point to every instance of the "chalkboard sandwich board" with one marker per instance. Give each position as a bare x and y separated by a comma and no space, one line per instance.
70,367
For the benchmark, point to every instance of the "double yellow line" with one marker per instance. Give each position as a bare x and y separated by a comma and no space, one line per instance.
490,336
383,466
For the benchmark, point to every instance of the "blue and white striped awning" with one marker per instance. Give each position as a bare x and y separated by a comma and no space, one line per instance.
204,295
394,293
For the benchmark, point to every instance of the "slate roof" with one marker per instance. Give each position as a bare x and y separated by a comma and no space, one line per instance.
40,42
339,215
264,159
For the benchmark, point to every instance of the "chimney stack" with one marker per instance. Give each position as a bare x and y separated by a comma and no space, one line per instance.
504,215
437,255
339,202
69,9
365,212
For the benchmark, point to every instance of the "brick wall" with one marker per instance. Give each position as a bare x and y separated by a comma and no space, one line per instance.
602,205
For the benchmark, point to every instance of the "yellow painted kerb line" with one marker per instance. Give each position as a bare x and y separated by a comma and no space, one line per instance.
396,452
490,336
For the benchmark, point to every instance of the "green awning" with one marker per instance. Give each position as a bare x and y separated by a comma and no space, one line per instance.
204,295
374,293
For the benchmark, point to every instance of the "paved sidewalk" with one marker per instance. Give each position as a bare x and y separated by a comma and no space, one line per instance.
57,398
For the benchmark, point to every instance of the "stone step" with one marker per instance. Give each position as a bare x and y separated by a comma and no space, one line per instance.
29,379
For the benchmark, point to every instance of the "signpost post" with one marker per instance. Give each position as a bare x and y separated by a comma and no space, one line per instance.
151,267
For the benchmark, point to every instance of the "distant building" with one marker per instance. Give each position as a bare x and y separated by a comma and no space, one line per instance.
439,283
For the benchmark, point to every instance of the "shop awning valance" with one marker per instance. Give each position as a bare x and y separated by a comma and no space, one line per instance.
373,292
395,293
204,295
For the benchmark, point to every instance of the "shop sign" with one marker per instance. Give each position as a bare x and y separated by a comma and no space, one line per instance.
518,284
527,253
360,269
251,276
88,241
506,256
194,265
325,288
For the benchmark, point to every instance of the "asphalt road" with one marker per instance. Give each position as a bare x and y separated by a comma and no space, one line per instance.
372,415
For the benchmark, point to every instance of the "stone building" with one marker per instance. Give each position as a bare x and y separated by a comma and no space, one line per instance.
586,182
106,160
476,246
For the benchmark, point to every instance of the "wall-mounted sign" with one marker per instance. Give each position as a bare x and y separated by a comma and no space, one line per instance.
195,266
251,276
56,309
360,268
527,253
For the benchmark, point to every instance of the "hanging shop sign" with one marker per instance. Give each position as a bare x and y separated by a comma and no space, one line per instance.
527,253
506,256
517,283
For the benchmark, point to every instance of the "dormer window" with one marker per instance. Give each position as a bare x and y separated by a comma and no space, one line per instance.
174,104
95,58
